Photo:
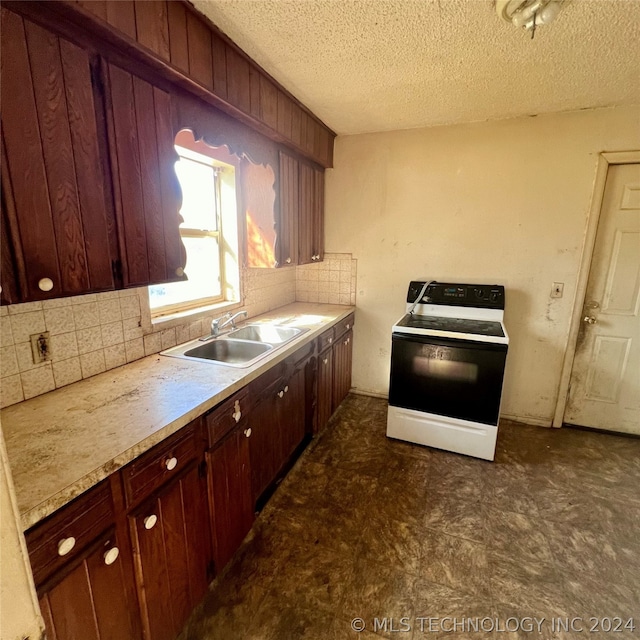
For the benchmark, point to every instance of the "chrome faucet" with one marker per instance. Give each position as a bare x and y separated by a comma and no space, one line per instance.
223,321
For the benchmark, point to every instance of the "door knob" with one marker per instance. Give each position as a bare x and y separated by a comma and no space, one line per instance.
589,320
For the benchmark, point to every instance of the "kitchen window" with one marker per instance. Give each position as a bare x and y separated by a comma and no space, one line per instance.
209,232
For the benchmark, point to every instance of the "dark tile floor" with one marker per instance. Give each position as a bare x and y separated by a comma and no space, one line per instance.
372,528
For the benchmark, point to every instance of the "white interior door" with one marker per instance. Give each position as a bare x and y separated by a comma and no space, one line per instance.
605,380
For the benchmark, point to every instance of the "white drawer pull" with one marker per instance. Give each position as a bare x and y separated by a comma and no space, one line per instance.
247,432
237,414
171,463
346,342
325,361
180,272
45,284
286,389
330,340
348,326
112,555
65,545
280,394
150,521
288,260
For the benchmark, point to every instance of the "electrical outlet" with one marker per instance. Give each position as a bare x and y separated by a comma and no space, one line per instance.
557,289
40,347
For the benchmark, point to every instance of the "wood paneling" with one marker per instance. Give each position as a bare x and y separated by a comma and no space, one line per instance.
317,230
342,356
152,27
324,389
219,54
178,40
268,102
122,16
200,63
238,80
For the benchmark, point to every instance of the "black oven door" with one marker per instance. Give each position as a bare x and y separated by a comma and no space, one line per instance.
455,378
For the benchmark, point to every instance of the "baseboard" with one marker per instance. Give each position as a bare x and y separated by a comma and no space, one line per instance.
370,394
535,422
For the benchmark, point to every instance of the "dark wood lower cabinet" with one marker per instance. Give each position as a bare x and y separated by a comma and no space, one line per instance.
90,602
172,553
133,556
230,492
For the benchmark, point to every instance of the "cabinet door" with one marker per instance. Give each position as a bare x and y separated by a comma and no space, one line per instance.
324,389
342,356
230,493
171,540
306,252
287,239
264,443
90,602
146,189
52,128
318,215
291,419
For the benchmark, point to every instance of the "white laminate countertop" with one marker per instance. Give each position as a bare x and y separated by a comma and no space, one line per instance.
64,442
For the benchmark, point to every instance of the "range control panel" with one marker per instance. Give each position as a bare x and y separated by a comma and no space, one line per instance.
485,296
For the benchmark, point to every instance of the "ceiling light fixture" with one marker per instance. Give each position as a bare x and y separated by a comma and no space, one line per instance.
529,14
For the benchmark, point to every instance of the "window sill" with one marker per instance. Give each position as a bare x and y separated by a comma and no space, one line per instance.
168,321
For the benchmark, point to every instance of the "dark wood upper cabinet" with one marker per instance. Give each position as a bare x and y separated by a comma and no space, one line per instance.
59,220
146,189
301,221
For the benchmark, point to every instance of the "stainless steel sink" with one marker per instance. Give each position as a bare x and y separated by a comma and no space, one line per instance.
239,348
238,352
266,333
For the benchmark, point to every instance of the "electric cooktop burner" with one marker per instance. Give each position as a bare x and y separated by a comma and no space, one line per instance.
457,325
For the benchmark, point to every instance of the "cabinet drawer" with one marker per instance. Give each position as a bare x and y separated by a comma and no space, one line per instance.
326,339
227,415
62,536
294,361
343,326
158,465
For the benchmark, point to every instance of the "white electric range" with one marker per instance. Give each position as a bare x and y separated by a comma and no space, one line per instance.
447,367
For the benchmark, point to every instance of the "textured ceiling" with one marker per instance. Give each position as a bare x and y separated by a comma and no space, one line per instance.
376,65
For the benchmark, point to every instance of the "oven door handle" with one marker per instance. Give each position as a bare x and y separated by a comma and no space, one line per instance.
449,342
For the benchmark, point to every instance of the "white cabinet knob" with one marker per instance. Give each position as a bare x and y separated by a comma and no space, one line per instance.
180,272
325,361
286,389
65,545
237,414
348,327
280,394
45,284
346,342
171,463
150,521
247,432
330,340
112,555
288,260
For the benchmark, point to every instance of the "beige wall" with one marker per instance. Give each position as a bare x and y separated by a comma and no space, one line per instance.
498,202
19,616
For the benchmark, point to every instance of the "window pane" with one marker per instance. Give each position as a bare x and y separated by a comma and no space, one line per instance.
203,273
198,194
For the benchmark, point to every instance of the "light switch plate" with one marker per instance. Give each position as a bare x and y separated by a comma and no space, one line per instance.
557,289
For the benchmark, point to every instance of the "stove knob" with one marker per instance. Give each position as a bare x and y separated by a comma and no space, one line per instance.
493,296
479,293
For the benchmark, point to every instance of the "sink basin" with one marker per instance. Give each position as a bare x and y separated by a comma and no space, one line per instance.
239,348
228,351
266,333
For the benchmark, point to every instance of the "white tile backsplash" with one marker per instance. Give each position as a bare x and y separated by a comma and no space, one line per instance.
97,332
